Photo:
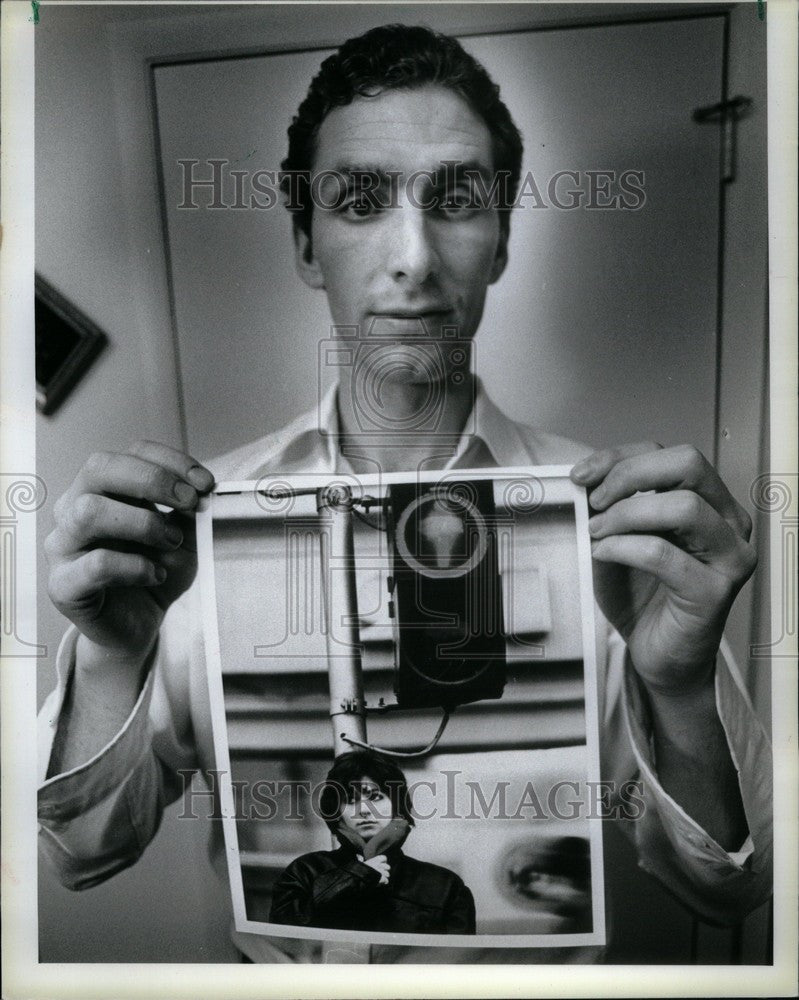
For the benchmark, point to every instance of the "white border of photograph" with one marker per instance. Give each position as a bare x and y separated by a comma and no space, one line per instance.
563,490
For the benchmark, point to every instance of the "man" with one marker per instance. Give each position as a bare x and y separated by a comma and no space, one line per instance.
369,883
670,544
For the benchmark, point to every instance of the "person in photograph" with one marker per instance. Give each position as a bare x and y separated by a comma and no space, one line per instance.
670,544
368,883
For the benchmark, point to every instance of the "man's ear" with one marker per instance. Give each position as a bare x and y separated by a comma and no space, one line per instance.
306,263
501,256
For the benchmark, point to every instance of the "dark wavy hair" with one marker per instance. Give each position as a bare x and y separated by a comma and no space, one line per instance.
396,56
344,779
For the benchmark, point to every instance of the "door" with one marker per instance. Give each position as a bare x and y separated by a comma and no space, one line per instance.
603,328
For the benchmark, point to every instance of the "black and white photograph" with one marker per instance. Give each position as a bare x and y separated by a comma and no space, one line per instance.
399,500
444,626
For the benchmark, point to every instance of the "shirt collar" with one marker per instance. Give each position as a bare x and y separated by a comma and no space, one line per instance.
488,435
310,444
491,434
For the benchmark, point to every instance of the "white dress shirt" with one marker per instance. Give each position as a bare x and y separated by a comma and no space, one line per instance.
98,818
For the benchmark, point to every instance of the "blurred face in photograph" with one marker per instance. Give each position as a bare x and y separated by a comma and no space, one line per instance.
423,262
557,893
553,877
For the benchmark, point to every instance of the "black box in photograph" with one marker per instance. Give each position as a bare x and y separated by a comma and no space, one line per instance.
446,594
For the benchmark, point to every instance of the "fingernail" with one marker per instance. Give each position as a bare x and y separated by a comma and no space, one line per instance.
185,494
200,478
173,535
160,574
594,525
580,472
597,497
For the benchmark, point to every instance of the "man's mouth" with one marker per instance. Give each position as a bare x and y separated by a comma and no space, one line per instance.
421,322
417,313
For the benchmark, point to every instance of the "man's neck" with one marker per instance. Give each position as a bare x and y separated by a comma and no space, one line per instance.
402,427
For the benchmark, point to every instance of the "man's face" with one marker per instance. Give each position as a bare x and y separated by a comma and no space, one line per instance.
408,270
369,812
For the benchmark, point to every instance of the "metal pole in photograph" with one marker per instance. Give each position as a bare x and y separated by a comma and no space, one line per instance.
344,671
345,676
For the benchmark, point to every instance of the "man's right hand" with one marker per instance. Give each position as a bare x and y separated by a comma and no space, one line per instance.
116,562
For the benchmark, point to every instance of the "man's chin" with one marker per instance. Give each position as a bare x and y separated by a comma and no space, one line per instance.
401,364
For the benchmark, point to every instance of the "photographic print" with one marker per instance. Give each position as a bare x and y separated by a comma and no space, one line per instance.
446,630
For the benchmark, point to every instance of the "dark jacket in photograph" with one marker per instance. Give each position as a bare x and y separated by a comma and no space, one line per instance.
333,889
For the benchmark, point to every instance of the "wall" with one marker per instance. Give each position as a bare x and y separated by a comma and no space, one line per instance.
82,249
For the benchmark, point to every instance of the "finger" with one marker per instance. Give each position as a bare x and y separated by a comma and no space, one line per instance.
682,467
698,528
593,469
183,465
77,583
128,476
93,518
187,526
686,576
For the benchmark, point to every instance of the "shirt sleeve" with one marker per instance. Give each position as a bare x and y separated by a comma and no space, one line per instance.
97,818
720,886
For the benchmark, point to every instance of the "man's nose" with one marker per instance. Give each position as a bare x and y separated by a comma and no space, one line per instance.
413,256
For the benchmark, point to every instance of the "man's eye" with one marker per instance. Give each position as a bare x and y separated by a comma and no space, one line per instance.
358,208
455,203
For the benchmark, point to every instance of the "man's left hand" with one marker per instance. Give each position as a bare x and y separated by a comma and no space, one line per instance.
671,551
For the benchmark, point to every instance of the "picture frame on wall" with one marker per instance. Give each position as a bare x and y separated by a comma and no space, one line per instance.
67,343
